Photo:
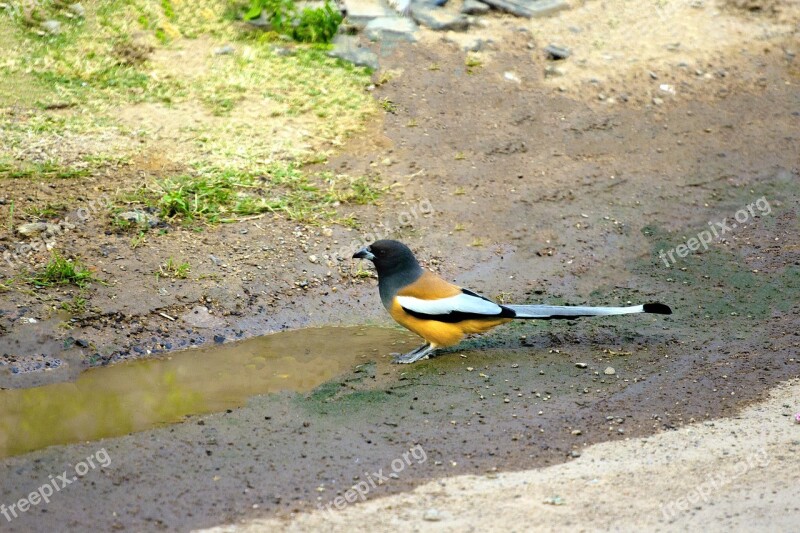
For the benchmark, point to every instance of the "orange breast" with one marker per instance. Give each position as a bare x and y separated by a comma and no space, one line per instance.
429,286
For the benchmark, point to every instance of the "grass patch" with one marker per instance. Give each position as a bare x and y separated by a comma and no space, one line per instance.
66,95
217,196
62,271
172,269
46,170
309,25
76,306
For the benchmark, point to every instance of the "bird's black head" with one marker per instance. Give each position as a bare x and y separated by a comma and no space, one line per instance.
390,257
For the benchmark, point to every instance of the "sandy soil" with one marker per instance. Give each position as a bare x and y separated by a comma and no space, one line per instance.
736,474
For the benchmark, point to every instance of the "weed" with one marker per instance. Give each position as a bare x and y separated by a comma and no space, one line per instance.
46,170
76,306
388,105
472,63
311,25
172,268
10,224
48,211
362,273
62,271
138,240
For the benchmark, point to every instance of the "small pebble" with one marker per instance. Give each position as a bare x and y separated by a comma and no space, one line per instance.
581,365
432,515
219,339
609,371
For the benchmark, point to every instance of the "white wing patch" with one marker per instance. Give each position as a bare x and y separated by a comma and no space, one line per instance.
464,303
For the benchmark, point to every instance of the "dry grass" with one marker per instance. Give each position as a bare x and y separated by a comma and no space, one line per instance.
142,75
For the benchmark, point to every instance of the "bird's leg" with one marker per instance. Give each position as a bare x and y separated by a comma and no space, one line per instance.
415,355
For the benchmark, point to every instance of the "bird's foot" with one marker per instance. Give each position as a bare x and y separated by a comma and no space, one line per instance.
423,352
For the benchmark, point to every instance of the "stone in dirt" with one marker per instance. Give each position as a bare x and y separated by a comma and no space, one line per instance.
391,28
474,7
139,217
439,20
529,8
348,48
556,53
31,228
360,12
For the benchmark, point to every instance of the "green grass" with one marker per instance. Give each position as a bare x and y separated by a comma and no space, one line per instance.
45,212
62,271
215,195
75,306
309,25
172,269
46,170
71,95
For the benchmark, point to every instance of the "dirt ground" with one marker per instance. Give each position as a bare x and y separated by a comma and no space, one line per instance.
735,474
525,179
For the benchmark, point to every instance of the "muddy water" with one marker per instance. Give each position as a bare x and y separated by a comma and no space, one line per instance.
137,395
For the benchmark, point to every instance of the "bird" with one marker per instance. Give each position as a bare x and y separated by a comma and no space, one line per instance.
443,313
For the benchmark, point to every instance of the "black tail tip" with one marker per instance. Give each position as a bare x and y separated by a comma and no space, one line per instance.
657,308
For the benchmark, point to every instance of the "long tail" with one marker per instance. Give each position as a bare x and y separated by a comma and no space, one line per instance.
547,312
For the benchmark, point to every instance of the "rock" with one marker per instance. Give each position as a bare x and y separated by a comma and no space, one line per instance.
439,20
225,50
348,48
432,515
139,217
82,343
551,71
511,76
391,28
529,8
53,27
576,432
468,42
360,12
474,7
219,339
32,228
581,365
609,371
313,259
657,101
666,88
557,53
77,9
199,317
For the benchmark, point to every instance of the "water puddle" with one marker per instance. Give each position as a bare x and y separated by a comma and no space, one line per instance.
136,395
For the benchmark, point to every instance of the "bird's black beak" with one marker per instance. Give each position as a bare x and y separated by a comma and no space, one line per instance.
364,253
